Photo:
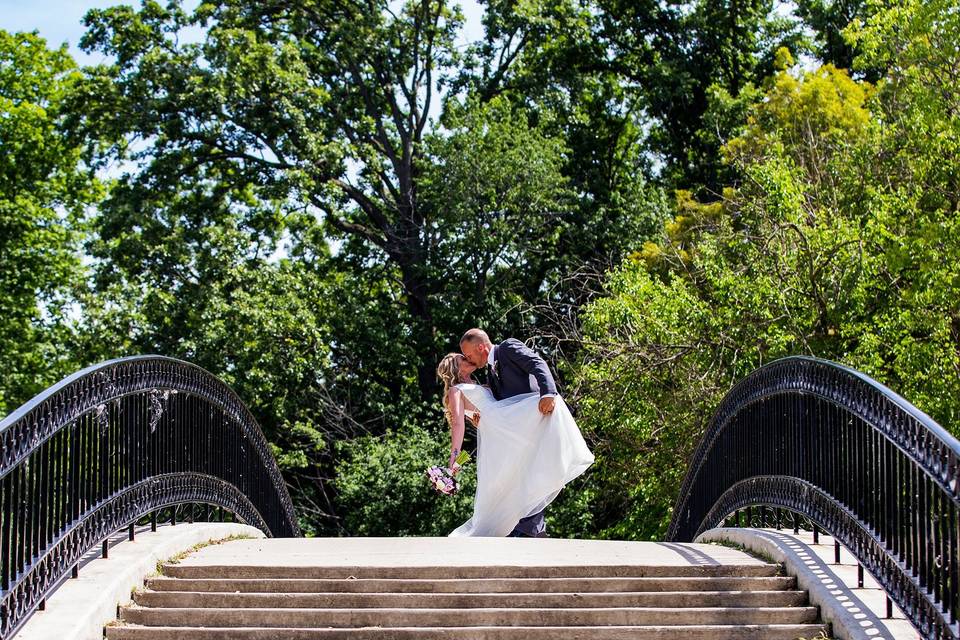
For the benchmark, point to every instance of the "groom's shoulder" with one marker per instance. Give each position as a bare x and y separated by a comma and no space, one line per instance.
514,346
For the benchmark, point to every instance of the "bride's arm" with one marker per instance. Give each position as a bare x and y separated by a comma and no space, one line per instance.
455,405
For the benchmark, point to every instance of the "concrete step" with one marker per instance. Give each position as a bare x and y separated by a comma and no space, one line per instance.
474,585
692,632
677,599
315,572
411,617
443,589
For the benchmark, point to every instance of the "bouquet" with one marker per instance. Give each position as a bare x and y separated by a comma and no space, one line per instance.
442,479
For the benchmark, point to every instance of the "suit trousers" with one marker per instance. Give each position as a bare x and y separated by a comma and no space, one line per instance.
530,527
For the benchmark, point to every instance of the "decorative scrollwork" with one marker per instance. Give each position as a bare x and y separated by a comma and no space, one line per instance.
158,401
831,444
110,444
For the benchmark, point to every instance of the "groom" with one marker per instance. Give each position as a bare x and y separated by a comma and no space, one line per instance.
514,369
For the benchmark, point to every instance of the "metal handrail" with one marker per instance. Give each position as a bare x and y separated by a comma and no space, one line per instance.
111,444
841,449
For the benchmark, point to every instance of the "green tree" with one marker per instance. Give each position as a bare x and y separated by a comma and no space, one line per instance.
315,111
393,469
285,189
840,242
44,189
676,57
829,19
306,123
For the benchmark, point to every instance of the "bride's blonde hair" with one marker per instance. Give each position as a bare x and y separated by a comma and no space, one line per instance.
449,373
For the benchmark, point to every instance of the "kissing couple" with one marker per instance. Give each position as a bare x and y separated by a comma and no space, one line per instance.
528,444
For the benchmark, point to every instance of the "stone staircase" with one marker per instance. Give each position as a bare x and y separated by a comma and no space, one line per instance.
581,597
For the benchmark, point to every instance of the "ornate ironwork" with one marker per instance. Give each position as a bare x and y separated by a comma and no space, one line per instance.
852,456
110,444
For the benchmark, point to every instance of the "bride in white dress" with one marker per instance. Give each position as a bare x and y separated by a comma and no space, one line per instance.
524,458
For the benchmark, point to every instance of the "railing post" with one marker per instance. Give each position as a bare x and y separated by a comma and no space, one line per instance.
6,510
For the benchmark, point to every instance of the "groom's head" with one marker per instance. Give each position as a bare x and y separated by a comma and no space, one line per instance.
476,346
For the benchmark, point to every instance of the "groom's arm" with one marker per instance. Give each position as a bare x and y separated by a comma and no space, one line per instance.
525,358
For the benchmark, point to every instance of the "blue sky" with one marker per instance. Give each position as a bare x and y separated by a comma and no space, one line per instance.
56,20
59,20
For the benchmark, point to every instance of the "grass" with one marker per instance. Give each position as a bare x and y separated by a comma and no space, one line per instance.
759,555
200,545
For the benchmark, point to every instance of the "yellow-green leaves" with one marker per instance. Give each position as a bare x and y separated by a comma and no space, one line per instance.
809,117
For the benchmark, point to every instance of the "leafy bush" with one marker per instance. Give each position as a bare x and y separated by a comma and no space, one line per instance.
382,489
842,242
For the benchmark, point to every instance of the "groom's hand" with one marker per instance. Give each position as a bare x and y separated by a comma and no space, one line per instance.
546,404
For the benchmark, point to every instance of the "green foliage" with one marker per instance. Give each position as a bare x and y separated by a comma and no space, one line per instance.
841,242
291,222
44,189
678,59
498,192
313,200
383,491
828,19
814,114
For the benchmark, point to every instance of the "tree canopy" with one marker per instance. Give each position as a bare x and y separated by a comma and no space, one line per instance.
44,189
314,200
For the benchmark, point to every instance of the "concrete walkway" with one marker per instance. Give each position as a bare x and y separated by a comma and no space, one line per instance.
81,606
857,613
467,589
463,552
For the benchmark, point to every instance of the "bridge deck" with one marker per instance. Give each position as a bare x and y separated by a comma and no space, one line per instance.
464,552
567,561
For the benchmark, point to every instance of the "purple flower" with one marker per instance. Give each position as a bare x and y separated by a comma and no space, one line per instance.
442,480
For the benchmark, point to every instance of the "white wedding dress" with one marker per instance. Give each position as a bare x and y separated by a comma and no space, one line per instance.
524,459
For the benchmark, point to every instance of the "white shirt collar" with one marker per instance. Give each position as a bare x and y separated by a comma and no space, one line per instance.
490,358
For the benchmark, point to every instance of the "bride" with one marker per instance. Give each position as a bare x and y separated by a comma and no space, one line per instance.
524,458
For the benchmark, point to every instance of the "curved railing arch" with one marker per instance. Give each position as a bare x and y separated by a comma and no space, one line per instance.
851,455
111,444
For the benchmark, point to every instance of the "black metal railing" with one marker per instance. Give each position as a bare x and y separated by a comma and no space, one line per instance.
112,444
853,457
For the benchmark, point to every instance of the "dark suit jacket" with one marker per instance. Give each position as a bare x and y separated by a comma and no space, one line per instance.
513,364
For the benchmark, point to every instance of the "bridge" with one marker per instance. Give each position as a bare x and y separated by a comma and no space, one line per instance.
157,451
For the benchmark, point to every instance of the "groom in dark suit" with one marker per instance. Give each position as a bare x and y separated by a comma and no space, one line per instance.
514,369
